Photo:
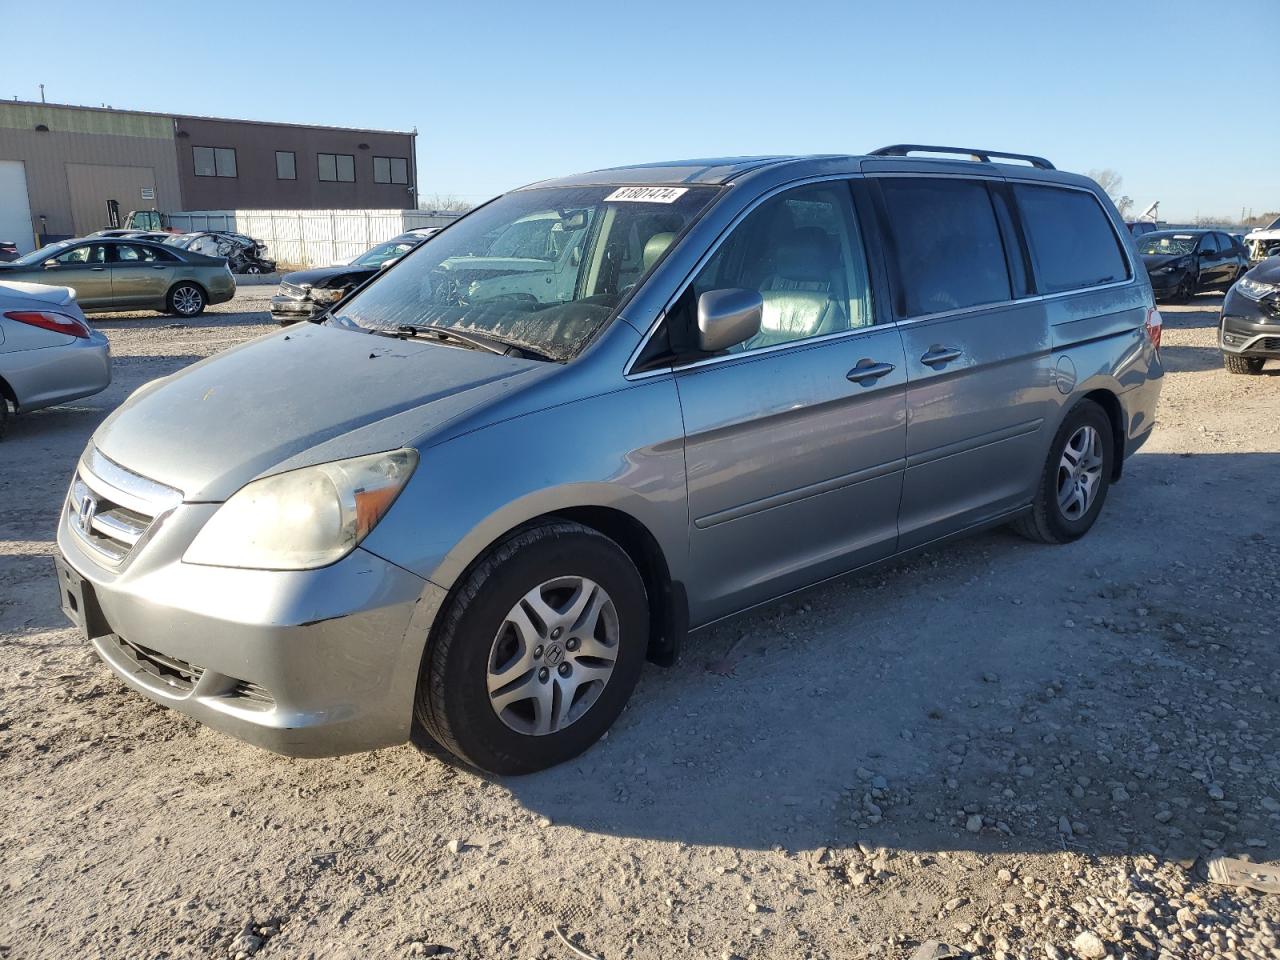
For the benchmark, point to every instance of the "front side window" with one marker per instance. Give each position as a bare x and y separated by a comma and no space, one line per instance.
542,270
390,170
286,165
336,167
802,251
948,249
214,161
89,253
1072,241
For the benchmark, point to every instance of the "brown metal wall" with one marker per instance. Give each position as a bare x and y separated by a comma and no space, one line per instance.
255,186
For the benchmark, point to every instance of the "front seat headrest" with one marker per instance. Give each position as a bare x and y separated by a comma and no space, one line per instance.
655,247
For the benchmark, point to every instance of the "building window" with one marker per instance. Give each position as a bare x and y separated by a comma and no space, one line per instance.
390,170
286,165
339,167
214,161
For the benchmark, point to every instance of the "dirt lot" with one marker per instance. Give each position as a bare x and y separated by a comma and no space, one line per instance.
1018,750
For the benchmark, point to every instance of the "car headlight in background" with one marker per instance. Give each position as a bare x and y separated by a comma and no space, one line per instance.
327,295
1256,289
305,518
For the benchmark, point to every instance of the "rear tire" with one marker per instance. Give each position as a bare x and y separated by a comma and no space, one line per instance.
1075,480
508,686
187,300
4,415
1238,364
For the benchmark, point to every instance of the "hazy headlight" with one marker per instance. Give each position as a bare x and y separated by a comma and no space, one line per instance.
1256,289
327,296
305,518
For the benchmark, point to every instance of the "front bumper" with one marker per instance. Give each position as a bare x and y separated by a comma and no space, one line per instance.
288,310
305,663
49,375
1248,327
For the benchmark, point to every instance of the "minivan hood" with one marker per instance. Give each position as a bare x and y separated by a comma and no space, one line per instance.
308,394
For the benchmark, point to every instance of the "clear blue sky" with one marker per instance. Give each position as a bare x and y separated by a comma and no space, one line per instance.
1168,93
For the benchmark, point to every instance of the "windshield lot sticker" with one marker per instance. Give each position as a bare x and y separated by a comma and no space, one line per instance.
647,194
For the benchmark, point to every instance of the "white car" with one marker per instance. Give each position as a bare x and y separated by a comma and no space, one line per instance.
48,352
1263,242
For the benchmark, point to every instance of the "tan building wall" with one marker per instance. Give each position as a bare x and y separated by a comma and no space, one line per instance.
86,157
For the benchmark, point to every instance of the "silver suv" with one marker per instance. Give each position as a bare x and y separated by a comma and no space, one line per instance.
597,413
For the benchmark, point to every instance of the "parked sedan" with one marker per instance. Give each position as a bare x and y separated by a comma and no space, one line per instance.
1250,326
308,293
1181,263
48,352
113,274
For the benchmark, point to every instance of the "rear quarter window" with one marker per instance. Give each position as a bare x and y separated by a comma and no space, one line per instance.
1073,244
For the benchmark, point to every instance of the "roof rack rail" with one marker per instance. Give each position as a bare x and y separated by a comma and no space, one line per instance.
984,156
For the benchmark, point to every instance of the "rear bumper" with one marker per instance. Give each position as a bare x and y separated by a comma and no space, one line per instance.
304,663
223,290
50,375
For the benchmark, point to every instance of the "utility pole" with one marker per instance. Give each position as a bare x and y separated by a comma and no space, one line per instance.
42,93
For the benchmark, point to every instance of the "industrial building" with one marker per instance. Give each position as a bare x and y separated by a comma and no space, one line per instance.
62,166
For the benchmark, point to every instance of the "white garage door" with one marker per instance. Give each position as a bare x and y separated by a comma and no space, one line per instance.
15,210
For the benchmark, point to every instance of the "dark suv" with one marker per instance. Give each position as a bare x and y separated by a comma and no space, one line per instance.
1181,263
1250,326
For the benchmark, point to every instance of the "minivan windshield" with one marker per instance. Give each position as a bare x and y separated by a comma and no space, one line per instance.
542,269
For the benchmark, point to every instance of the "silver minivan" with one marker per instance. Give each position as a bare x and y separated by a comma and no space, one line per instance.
480,491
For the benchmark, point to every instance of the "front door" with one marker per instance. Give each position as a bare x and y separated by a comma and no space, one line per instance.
140,274
84,269
978,364
795,440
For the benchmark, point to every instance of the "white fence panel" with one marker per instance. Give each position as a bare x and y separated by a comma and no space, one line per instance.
311,238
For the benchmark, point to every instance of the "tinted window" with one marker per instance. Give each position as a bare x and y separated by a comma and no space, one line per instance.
214,161
948,247
803,252
286,165
338,167
390,170
1072,242
1208,243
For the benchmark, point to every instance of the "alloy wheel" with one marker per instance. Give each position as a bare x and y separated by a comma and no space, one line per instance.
552,656
1079,472
187,301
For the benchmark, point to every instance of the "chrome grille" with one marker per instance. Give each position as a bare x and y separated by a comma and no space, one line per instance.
293,291
111,510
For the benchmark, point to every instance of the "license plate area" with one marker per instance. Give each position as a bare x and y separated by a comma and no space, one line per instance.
78,601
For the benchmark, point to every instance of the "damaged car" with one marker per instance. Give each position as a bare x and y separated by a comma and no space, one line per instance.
308,293
1249,330
1263,243
1182,263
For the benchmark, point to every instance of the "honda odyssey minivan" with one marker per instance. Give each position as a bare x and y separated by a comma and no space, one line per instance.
479,492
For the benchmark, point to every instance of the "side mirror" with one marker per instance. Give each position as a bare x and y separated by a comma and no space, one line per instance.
387,263
726,318
49,264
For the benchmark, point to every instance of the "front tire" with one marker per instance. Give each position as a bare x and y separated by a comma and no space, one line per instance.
1238,364
537,652
1076,478
187,300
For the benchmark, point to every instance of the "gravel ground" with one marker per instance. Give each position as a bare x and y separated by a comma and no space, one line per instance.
1017,750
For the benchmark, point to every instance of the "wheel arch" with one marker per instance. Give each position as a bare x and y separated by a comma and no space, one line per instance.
1110,403
7,392
168,294
668,602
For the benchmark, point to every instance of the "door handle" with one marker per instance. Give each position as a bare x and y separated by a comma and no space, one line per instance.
97,269
157,267
868,369
938,355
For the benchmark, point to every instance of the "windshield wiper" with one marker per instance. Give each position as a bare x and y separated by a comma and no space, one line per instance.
478,341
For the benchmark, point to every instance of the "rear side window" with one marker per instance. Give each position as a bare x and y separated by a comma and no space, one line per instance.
1072,242
948,246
